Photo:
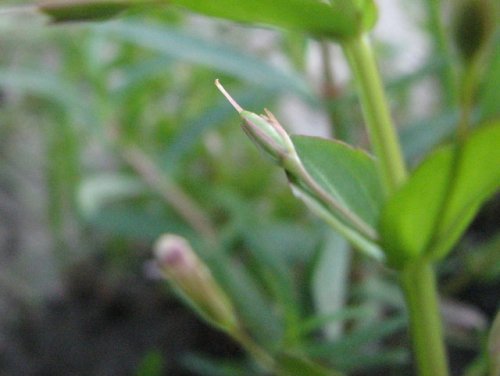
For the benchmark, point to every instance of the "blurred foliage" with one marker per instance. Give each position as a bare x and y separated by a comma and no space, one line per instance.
113,133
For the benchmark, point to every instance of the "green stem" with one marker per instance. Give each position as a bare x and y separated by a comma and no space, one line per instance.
180,201
470,81
331,91
419,286
376,112
442,49
259,354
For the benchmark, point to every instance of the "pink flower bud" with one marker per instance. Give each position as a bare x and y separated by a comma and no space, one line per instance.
193,281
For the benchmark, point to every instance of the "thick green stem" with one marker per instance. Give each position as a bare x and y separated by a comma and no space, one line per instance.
376,112
419,286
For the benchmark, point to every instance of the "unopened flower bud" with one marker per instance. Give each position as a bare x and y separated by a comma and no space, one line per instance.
474,26
193,281
265,131
268,135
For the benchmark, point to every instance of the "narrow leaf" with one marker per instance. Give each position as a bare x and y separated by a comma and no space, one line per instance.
340,19
85,10
312,16
348,176
183,46
330,280
351,345
317,322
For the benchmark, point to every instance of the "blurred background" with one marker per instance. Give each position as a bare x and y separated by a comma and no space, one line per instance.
114,133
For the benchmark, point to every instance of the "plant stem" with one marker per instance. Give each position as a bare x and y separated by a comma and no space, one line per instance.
376,112
259,354
442,50
331,91
419,286
187,208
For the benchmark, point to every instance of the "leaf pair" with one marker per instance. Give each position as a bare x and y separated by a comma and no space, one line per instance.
427,216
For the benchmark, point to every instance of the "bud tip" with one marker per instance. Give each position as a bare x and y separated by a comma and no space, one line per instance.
171,250
228,97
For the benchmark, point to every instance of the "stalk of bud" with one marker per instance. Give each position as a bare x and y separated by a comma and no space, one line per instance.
194,282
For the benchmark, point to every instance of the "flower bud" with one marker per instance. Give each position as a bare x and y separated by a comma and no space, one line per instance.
474,26
265,131
268,135
193,281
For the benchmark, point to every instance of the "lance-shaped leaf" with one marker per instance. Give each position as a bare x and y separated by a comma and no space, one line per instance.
182,45
311,16
349,177
338,19
431,211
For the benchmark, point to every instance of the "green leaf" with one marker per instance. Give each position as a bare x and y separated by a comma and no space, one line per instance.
47,85
351,345
252,305
488,95
311,16
341,19
123,220
432,210
82,10
274,273
350,178
95,192
223,58
317,322
349,175
330,280
368,362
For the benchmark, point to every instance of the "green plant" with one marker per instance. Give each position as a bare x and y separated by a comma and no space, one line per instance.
372,201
